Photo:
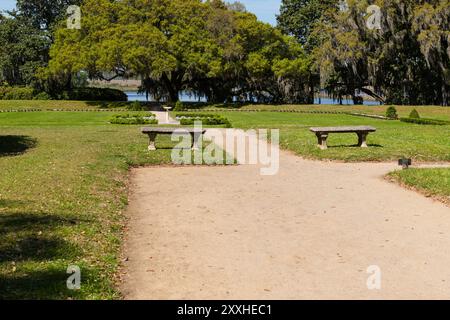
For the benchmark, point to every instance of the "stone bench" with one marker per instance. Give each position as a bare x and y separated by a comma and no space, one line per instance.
153,132
362,132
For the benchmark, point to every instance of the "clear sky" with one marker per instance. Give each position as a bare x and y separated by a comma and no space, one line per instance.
264,9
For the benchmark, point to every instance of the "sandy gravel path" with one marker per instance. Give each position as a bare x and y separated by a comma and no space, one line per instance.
309,232
161,116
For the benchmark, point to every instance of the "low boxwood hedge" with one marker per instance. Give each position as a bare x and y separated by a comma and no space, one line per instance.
425,121
207,119
133,119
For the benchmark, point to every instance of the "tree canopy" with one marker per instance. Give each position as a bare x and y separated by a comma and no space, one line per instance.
300,17
43,14
407,60
209,49
219,51
23,50
26,37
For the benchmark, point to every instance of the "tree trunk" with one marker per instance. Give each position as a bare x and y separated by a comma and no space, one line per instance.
172,88
311,90
445,91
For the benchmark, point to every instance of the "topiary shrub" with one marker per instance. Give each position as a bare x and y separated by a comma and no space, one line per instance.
133,119
391,112
179,106
135,106
414,114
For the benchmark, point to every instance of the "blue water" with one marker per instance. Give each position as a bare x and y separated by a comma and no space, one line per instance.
134,96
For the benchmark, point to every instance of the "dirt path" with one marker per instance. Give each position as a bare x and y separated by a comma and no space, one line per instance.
161,116
309,232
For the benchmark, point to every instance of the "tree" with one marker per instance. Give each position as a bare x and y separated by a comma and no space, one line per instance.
204,48
431,23
299,18
22,51
406,60
25,38
43,14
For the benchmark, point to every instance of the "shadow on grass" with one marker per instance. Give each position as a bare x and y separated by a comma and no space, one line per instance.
48,284
33,242
355,146
9,203
15,145
32,237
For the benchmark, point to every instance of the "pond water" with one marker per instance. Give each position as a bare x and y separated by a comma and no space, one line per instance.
134,96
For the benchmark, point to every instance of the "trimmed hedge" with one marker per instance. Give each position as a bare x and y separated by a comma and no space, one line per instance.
93,94
189,118
425,121
133,119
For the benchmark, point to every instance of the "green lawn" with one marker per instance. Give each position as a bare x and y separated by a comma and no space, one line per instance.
46,104
63,185
61,201
394,139
434,112
431,182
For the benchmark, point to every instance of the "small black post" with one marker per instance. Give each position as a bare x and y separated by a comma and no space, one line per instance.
405,163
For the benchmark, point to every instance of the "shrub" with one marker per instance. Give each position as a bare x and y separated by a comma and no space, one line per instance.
135,106
359,100
391,112
179,106
16,93
425,121
189,118
93,94
414,114
42,96
133,119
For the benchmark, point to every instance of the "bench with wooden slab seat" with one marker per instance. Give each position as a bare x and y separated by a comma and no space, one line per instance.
362,132
153,132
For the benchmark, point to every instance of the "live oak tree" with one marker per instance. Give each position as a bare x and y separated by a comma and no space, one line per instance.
43,14
431,24
300,19
406,60
209,49
25,38
23,50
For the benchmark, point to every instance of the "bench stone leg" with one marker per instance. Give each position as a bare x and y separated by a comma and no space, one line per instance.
195,142
152,138
322,138
362,140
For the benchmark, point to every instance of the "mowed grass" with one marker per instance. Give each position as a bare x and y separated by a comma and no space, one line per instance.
431,182
63,186
46,104
393,139
434,112
63,189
